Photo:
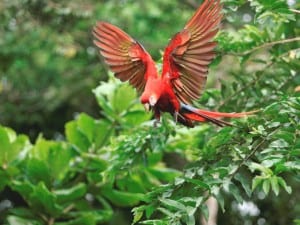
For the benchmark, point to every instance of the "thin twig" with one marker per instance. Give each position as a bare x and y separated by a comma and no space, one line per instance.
265,45
191,3
51,221
252,152
69,208
254,81
248,157
295,11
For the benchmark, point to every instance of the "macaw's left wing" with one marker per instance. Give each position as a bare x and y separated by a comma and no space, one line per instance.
190,51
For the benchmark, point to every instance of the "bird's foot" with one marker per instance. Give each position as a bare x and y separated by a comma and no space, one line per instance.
156,122
175,115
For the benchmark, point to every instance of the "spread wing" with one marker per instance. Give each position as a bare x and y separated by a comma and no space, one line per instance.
190,51
124,56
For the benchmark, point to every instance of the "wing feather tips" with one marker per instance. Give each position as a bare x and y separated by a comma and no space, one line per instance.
209,9
191,51
124,56
114,31
199,12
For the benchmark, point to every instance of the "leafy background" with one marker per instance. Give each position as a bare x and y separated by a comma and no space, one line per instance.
74,153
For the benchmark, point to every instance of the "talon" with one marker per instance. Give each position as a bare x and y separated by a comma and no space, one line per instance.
156,122
175,116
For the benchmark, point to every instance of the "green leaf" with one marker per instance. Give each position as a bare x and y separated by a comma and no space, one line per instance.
173,203
22,212
105,105
16,220
24,188
38,197
123,97
84,218
12,147
198,183
235,192
164,174
222,137
19,148
136,117
275,185
96,166
279,144
122,198
190,220
205,211
256,181
221,202
283,184
4,145
219,197
255,166
138,214
96,162
43,201
166,211
4,180
104,93
270,13
293,165
41,149
59,159
155,222
285,135
86,125
266,186
70,194
37,170
76,137
150,210
244,182
103,131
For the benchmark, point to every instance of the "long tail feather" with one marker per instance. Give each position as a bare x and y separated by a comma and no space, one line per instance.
203,115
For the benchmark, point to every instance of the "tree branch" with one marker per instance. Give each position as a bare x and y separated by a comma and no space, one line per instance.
295,11
255,80
265,45
191,3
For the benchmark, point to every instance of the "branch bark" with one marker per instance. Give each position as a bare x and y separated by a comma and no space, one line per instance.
265,45
295,11
191,3
255,80
213,209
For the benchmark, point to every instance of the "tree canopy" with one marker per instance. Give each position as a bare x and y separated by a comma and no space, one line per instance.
74,153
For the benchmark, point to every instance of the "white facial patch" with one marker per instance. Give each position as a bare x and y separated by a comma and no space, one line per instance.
152,100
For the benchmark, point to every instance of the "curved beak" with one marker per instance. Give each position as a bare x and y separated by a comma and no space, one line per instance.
151,103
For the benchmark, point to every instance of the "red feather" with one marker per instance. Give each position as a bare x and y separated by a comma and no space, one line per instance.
185,65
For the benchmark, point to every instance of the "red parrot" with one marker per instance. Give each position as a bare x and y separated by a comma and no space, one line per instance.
185,66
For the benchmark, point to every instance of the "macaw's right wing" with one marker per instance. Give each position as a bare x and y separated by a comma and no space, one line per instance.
124,56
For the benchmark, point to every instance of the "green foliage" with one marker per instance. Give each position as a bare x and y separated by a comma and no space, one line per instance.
101,168
61,180
48,61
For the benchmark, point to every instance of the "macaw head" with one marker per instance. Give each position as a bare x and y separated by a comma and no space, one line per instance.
151,94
